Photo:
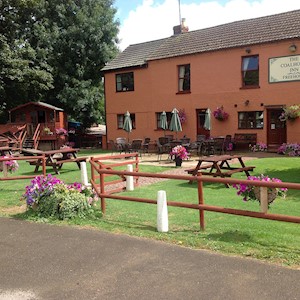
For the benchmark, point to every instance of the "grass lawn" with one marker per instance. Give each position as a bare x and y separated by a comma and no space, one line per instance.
272,241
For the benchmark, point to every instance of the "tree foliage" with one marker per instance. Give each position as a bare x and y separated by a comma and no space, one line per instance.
53,51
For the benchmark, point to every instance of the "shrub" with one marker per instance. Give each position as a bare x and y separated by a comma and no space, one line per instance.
259,147
50,197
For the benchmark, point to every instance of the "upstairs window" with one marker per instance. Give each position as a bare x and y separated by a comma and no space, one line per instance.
251,120
184,79
250,71
124,82
120,120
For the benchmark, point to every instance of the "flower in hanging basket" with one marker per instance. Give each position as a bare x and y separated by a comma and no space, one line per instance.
179,152
249,192
290,113
220,114
182,116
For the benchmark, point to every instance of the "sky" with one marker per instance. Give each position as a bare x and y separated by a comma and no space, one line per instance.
148,20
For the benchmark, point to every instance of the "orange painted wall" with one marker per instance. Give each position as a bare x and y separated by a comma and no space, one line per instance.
215,81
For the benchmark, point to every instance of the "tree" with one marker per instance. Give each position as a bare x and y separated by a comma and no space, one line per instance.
24,73
54,51
82,36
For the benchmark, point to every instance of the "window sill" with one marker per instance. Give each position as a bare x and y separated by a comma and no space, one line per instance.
183,92
249,87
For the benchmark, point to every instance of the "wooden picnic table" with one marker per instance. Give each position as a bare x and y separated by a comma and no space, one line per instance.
6,150
54,158
219,166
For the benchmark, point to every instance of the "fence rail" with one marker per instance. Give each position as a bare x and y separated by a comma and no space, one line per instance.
9,158
201,206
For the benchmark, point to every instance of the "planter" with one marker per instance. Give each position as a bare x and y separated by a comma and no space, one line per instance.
272,194
178,161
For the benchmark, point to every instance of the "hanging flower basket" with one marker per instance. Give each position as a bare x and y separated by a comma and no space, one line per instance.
272,194
220,114
290,113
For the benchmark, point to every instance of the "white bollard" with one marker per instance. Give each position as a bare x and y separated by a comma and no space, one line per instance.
84,176
162,212
129,179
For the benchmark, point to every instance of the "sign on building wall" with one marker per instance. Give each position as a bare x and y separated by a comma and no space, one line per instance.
285,68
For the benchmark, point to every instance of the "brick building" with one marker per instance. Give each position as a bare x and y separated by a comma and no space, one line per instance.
249,68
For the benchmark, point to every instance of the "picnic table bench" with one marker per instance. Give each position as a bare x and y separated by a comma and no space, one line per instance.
54,158
217,164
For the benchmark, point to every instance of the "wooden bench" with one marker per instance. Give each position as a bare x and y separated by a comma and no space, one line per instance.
233,171
243,140
191,171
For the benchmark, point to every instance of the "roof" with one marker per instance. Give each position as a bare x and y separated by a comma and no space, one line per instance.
261,30
42,104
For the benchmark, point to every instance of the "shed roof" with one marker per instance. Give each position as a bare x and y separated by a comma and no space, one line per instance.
41,104
243,33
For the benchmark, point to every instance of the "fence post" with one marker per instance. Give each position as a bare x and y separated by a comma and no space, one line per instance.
129,179
84,176
201,201
4,169
137,167
162,212
103,208
263,199
44,165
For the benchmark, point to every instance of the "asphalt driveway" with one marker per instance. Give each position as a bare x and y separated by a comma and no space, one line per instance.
40,261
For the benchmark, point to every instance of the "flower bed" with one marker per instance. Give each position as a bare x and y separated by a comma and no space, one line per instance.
258,147
50,197
289,149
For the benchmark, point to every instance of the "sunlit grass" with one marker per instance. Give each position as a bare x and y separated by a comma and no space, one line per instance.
268,240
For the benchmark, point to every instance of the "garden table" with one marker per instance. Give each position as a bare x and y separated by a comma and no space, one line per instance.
54,158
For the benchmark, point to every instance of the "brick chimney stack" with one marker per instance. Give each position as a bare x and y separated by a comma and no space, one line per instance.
180,28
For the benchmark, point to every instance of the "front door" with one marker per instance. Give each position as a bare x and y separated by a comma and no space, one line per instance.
276,131
200,123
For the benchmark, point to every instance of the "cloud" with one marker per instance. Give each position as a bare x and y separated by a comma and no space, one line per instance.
151,21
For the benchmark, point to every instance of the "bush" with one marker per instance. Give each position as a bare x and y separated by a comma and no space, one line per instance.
50,197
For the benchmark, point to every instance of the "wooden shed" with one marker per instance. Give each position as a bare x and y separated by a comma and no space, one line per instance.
46,125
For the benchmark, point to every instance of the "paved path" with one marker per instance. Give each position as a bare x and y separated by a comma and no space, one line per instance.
40,261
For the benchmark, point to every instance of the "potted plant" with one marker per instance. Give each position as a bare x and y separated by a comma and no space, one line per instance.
220,114
178,153
250,192
48,131
290,113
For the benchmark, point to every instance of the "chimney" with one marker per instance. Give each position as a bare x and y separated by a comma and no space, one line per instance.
180,28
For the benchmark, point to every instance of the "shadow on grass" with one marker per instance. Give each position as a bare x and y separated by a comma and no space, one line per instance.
231,236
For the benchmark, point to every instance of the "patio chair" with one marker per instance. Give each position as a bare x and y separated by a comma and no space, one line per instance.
146,145
121,144
219,143
163,147
136,146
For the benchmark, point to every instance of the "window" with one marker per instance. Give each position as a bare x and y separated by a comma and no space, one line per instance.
120,119
158,114
251,120
184,78
124,82
250,71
